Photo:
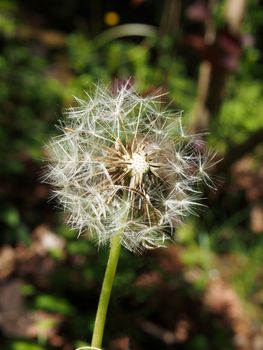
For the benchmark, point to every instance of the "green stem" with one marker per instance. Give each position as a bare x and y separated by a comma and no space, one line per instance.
106,291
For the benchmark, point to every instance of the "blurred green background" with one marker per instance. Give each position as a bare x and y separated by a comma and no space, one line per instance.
205,292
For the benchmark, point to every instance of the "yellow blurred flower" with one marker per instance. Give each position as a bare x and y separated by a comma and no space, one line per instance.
111,18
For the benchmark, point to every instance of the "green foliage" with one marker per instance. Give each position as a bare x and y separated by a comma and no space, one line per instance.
28,108
247,279
253,21
125,59
27,97
25,346
22,345
7,20
240,115
53,304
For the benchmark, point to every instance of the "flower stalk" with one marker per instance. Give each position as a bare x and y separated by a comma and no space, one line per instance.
106,291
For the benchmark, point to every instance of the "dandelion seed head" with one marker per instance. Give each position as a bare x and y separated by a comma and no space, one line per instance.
124,164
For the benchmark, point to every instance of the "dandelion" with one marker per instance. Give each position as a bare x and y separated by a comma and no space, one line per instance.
126,171
124,161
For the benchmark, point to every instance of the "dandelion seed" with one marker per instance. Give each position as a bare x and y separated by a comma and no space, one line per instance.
124,161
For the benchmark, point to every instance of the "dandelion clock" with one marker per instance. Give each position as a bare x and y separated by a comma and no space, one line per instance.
127,174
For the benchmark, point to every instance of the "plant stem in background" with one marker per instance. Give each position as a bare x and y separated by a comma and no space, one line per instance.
106,291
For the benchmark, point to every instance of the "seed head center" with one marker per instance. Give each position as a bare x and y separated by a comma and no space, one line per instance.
138,164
